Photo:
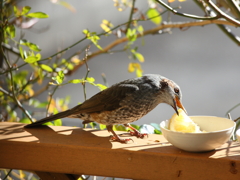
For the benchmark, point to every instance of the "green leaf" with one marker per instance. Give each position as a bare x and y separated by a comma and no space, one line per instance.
102,126
57,122
119,128
157,131
39,15
76,81
30,45
48,124
11,30
38,56
140,29
131,34
36,103
42,105
139,57
23,42
46,67
86,32
135,126
15,10
31,59
69,66
59,78
93,125
94,38
25,10
101,86
21,77
25,121
139,72
34,47
90,79
21,52
154,16
64,61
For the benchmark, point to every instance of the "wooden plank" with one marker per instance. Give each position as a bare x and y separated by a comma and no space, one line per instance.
71,150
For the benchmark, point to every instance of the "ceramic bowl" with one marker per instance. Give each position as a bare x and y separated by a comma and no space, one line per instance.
219,130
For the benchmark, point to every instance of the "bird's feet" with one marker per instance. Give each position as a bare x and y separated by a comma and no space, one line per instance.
138,134
118,139
135,132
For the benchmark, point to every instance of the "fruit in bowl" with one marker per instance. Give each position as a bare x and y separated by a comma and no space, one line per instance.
197,133
183,123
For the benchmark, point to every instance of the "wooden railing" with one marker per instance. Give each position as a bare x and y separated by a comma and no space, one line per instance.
59,152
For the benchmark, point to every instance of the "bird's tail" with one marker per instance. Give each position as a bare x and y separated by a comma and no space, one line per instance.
50,118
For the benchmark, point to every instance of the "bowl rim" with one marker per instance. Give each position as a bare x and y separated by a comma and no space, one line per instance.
212,132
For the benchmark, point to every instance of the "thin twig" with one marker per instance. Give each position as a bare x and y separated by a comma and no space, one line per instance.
131,14
5,92
229,116
88,70
7,174
231,5
235,120
184,14
51,96
11,49
221,13
223,28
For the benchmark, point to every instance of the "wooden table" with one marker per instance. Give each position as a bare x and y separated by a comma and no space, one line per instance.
57,152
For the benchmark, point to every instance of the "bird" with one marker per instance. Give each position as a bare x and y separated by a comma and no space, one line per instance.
124,103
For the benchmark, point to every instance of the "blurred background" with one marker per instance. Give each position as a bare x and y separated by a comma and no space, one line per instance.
203,61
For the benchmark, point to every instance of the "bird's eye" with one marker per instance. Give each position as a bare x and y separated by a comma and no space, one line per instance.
176,90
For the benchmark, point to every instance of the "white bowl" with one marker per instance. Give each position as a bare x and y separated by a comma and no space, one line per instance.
219,130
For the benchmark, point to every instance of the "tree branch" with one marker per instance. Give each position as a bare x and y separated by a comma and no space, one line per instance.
230,5
184,14
153,31
221,13
13,95
224,28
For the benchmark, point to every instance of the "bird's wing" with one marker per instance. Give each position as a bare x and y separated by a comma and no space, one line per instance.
106,100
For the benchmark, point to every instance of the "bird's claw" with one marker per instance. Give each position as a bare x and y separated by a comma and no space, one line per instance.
124,141
138,134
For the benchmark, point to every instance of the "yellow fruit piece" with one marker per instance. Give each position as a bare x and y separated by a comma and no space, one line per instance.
183,123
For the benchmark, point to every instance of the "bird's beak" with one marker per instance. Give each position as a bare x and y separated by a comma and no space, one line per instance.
178,104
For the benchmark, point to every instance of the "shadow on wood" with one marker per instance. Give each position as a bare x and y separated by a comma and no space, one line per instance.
58,151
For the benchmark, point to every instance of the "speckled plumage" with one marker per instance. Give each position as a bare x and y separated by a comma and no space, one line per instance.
124,102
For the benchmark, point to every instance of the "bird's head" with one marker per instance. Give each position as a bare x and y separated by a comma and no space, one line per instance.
171,94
